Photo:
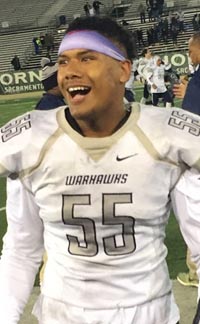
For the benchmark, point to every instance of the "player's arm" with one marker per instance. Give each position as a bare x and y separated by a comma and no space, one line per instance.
182,137
22,252
149,78
186,206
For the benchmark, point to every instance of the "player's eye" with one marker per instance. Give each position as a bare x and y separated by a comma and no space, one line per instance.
87,58
62,61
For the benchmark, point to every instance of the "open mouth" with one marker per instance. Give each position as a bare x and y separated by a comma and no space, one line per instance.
73,91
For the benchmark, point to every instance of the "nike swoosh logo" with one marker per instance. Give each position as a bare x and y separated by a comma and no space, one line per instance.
125,157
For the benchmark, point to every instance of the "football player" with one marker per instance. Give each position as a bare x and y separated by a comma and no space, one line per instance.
96,183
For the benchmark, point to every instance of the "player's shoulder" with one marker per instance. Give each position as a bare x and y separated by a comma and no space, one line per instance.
22,138
15,127
167,114
32,122
152,113
167,120
30,129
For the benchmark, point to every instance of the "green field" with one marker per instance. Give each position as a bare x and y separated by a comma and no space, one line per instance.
176,246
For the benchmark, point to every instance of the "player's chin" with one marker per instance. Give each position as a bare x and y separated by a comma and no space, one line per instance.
78,111
84,112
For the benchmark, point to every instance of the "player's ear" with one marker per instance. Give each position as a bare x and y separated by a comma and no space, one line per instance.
125,71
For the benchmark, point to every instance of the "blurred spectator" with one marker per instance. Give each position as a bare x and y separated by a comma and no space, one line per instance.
42,40
149,11
141,10
16,63
37,45
169,18
150,36
62,20
87,8
52,98
124,22
160,4
49,43
140,38
154,10
181,18
165,30
96,6
174,20
195,22
160,28
156,33
174,34
148,3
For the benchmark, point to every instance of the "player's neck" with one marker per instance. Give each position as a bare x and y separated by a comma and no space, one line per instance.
103,128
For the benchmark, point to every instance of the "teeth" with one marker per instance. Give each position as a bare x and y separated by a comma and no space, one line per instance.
77,89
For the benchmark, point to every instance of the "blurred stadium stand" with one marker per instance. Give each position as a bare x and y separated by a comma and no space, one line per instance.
21,20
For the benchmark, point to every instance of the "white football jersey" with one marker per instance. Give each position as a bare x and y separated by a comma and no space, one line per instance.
102,205
156,76
144,66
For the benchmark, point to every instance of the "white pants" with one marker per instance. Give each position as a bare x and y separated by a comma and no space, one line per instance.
162,310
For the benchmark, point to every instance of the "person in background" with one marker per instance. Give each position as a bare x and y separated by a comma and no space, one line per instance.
96,6
87,8
142,10
190,93
129,94
96,192
37,45
42,40
16,63
171,78
186,201
145,63
156,80
52,98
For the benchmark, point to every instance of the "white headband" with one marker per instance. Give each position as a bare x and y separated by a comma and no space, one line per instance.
91,40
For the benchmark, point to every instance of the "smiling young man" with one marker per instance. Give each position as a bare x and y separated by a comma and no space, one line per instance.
96,182
87,77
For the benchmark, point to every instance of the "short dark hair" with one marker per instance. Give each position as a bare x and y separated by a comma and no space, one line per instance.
108,28
145,51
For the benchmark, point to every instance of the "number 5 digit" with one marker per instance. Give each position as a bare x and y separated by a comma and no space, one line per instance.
90,247
127,222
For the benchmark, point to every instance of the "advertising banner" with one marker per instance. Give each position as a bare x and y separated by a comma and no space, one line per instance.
179,61
20,81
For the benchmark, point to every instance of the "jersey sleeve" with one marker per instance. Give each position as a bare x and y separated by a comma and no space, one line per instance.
185,129
14,138
175,133
22,252
186,206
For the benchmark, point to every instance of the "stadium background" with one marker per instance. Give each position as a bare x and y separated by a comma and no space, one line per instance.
21,21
